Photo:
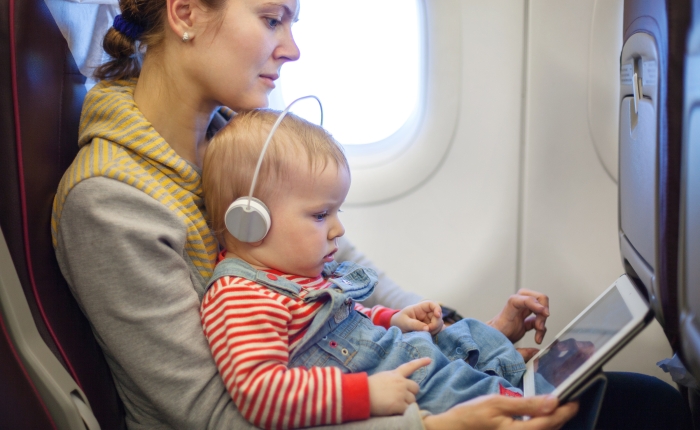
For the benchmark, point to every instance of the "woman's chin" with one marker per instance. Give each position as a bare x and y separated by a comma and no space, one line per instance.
253,101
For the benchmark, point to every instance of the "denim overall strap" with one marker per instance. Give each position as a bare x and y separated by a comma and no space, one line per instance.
350,282
241,269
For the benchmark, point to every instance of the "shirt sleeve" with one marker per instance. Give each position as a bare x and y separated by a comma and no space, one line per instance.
123,255
379,314
247,330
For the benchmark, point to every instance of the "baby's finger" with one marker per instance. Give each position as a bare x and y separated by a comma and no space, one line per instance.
428,307
414,325
407,369
412,386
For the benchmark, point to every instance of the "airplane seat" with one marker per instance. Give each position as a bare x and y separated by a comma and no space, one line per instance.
651,130
689,247
651,95
42,94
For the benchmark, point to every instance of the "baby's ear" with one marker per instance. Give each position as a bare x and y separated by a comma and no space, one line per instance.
256,244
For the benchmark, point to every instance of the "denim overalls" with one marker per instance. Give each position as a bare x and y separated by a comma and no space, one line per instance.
469,358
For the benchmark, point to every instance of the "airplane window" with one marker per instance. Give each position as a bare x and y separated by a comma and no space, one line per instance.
363,61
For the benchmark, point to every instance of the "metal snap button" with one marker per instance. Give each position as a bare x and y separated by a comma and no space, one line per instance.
325,338
271,277
346,282
459,351
344,351
333,344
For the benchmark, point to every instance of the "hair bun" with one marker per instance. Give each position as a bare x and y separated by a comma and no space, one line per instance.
127,27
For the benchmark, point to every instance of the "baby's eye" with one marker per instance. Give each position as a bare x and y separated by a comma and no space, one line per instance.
320,216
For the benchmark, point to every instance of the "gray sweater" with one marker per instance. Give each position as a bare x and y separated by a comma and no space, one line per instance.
122,253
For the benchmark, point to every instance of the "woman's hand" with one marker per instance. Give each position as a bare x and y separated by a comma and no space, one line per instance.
527,353
497,412
391,392
423,316
524,311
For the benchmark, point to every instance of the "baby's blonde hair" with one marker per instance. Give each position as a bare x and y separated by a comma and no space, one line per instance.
233,153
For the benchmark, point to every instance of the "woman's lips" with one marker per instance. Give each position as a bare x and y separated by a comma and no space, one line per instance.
269,80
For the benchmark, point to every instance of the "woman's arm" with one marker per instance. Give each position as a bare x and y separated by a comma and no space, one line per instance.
123,255
387,292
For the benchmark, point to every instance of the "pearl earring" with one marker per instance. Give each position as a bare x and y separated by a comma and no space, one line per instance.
185,36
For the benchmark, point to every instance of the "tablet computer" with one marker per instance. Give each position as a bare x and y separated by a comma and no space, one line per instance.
588,342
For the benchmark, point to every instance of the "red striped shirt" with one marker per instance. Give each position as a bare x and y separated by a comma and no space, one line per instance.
252,331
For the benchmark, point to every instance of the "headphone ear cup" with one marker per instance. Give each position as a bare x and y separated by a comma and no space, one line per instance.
248,224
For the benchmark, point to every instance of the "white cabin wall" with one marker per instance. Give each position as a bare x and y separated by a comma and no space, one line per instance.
523,199
570,248
454,238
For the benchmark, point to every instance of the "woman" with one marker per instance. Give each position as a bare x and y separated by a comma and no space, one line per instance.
128,221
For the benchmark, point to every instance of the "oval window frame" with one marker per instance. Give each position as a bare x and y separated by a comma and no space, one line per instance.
385,171
395,166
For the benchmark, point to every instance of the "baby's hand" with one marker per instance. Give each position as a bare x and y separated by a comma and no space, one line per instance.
391,392
423,316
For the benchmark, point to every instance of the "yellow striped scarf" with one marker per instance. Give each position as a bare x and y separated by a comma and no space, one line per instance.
117,142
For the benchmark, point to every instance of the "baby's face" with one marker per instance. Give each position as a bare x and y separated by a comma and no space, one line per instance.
305,224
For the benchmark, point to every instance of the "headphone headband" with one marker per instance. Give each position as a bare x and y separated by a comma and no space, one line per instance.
247,218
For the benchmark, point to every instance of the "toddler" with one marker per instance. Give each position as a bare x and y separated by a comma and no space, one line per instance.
293,344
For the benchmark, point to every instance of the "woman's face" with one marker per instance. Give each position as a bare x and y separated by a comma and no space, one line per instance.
243,49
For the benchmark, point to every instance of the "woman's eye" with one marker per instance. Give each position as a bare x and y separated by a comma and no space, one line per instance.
320,216
273,22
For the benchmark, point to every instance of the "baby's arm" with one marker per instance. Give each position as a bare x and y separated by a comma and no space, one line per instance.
248,337
423,316
379,314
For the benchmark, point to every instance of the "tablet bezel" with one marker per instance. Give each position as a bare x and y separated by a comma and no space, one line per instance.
641,316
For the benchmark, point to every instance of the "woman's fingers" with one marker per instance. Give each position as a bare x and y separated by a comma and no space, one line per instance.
530,303
540,328
527,353
525,406
555,420
543,299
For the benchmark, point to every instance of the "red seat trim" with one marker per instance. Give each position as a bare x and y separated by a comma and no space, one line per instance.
23,199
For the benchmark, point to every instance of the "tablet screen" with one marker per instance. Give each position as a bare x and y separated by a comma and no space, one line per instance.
578,343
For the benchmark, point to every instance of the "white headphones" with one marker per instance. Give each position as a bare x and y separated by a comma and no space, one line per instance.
247,218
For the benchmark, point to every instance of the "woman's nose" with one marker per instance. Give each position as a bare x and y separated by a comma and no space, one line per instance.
288,49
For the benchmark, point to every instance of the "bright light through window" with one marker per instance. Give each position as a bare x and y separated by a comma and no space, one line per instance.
363,60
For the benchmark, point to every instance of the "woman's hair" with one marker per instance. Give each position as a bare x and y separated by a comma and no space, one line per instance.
232,154
146,21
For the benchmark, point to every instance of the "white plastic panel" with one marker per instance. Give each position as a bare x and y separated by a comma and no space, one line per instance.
570,247
454,238
603,82
638,176
639,76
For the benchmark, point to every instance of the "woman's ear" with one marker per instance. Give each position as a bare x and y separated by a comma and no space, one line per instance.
182,16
